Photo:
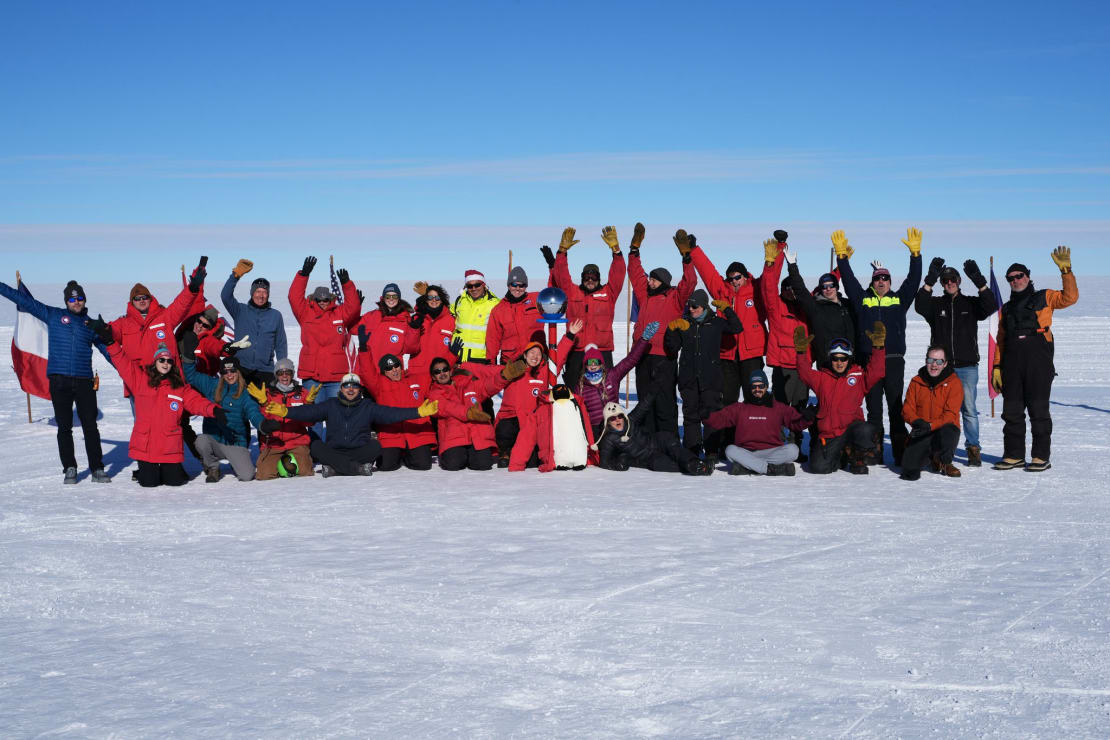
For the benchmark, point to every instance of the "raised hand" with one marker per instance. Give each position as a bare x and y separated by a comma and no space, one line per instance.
609,236
780,236
638,233
840,245
343,275
678,325
974,274
548,256
567,241
101,329
770,251
242,267
575,326
913,241
935,266
309,263
1062,257
801,340
649,331
682,241
257,392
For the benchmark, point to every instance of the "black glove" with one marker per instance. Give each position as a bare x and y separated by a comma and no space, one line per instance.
361,297
363,338
220,416
920,428
189,344
548,257
456,347
343,275
935,266
809,413
203,261
780,236
101,329
269,426
417,319
309,263
973,274
693,241
199,274
228,350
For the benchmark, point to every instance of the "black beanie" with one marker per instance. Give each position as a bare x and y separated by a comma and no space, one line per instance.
260,283
591,269
662,275
1018,267
73,290
738,267
388,362
698,298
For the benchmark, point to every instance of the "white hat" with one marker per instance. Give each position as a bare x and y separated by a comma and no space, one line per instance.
350,378
611,410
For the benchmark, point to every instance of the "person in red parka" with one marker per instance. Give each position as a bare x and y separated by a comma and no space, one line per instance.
388,327
409,442
280,437
658,301
147,323
840,387
436,324
512,322
160,395
591,301
464,430
325,330
742,353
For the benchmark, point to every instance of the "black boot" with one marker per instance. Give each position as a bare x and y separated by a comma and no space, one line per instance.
780,469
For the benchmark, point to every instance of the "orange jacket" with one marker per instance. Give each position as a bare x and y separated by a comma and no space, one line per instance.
937,402
1042,302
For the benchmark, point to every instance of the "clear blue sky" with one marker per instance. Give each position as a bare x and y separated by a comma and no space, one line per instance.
141,134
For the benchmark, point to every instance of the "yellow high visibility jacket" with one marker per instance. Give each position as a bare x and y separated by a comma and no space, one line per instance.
471,318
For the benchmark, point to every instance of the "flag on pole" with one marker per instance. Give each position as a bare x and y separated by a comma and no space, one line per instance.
336,288
992,331
30,350
635,314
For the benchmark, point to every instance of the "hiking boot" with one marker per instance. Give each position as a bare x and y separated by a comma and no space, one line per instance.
857,461
71,476
974,457
212,475
738,469
711,459
1037,465
1008,463
503,461
99,476
135,476
780,469
910,475
366,469
946,469
326,471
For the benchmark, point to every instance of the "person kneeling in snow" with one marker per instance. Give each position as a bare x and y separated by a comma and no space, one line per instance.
283,443
758,446
932,409
350,448
626,443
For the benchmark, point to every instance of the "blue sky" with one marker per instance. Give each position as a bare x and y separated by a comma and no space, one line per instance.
391,134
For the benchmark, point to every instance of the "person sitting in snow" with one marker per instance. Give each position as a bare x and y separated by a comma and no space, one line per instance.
932,409
626,442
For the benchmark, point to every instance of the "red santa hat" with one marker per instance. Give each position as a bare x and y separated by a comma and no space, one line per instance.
474,276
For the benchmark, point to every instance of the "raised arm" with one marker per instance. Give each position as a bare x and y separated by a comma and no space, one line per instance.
37,309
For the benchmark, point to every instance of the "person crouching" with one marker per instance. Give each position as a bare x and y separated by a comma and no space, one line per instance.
932,409
283,443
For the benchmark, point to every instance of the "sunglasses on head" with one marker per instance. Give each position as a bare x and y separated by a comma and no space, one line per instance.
935,360
75,299
1015,276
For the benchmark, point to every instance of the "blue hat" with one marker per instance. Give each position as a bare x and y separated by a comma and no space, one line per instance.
391,288
758,377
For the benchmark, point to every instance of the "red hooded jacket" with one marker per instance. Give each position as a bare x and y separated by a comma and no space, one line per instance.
390,334
325,332
746,302
139,336
435,341
511,326
663,307
469,388
408,392
781,320
292,433
840,397
596,309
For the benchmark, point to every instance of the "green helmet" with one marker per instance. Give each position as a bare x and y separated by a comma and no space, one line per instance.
287,466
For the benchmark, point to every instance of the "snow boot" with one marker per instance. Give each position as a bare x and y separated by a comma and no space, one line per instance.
974,457
212,475
99,476
327,471
946,469
738,469
796,439
780,469
1037,465
857,461
71,476
711,459
366,469
910,475
1009,463
503,460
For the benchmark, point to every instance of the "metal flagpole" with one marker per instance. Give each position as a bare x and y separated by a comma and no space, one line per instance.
627,330
18,280
991,364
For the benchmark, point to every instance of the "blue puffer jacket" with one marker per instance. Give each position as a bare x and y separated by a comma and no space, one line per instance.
890,309
349,424
241,412
264,326
70,342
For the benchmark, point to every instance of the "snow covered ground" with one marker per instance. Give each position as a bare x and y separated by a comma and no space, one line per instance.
568,604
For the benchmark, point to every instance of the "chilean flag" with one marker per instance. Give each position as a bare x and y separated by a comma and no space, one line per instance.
29,351
992,331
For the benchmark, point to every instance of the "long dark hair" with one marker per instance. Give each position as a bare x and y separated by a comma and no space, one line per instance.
155,378
422,302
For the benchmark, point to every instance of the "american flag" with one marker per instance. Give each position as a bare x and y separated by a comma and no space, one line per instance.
336,288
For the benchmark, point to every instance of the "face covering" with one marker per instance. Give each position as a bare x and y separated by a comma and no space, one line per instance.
595,376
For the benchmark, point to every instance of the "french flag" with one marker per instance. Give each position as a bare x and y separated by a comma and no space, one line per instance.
992,331
29,351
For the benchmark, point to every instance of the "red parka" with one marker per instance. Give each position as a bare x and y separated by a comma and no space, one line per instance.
840,397
139,336
408,392
522,395
435,341
291,433
596,309
782,318
156,435
325,332
390,334
746,302
470,387
664,306
510,327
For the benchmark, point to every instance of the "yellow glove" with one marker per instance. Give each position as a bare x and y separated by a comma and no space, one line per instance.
801,340
609,236
682,241
1062,257
257,392
427,408
420,287
475,413
840,245
770,251
637,236
273,408
996,380
242,267
568,240
913,241
720,305
679,325
311,397
877,335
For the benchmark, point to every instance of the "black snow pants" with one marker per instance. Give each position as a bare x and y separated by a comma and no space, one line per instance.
65,392
655,377
824,454
1027,374
891,386
940,442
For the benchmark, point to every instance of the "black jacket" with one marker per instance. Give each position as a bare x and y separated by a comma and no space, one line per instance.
349,424
954,321
890,309
828,320
640,448
700,345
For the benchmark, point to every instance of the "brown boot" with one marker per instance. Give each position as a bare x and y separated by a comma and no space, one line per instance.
946,469
974,457
212,475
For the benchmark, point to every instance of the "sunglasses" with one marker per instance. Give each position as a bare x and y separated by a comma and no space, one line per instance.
828,286
349,385
391,296
166,360
839,358
735,278
592,276
228,371
517,285
328,300
284,372
75,300
1015,276
472,286
881,279
441,371
204,324
759,387
934,361
137,298
947,280
433,298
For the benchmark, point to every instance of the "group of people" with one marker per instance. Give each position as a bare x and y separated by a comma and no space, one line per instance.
413,383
